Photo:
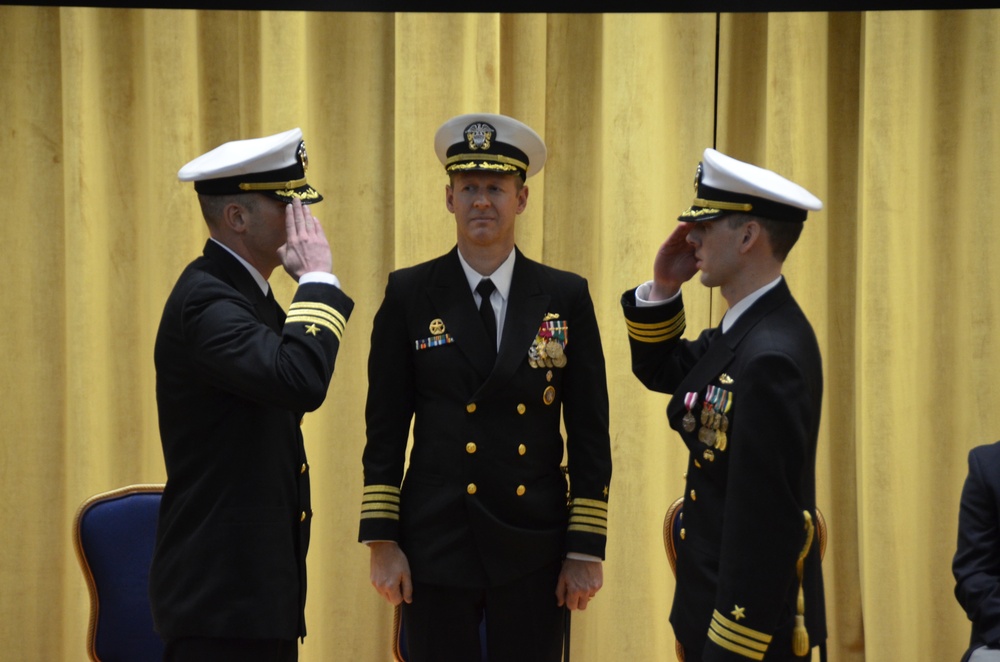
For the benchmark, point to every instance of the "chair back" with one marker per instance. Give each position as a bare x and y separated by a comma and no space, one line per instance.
114,533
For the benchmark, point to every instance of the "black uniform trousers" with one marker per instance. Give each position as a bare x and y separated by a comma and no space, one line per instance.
523,622
213,649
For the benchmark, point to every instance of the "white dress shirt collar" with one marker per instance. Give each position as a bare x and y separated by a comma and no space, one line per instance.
261,281
501,277
733,314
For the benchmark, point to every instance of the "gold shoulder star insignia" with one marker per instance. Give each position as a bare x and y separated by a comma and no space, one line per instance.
312,330
738,612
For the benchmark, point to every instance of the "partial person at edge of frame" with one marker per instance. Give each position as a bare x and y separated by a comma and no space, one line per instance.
976,564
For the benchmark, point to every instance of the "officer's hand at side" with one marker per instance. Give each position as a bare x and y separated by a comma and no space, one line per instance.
390,572
579,581
306,248
674,263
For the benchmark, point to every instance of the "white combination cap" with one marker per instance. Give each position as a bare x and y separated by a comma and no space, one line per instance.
489,142
724,185
274,165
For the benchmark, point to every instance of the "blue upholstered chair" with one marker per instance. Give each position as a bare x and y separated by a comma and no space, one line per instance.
114,534
673,524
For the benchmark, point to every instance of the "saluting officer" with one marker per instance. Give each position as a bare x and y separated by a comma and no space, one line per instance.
233,378
484,350
746,400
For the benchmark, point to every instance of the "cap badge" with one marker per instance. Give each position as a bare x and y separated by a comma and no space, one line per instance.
697,177
303,157
480,135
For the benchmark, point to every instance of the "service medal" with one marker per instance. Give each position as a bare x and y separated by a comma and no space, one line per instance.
549,395
690,400
547,350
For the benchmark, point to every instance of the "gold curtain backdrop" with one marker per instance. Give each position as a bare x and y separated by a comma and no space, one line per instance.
889,117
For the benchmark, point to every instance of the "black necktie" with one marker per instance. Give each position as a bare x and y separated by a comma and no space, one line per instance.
485,289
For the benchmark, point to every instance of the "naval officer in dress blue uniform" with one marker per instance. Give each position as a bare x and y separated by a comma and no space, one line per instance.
486,351
976,564
746,400
234,376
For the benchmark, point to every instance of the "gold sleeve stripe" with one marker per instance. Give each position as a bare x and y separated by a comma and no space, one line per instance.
319,313
381,498
305,319
381,489
741,629
371,507
380,502
659,332
318,306
738,639
377,515
729,646
313,314
589,516
590,503
319,310
591,512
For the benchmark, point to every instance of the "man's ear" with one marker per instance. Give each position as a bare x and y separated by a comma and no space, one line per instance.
751,232
449,198
234,217
522,199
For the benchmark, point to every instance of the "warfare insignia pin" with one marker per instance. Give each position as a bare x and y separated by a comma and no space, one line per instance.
725,379
437,326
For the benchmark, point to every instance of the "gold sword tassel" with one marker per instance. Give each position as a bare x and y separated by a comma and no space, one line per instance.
800,636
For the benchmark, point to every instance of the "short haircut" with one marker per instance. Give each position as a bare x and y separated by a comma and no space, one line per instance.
212,206
782,235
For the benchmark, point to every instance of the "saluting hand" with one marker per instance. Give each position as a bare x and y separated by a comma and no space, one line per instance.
674,263
306,247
